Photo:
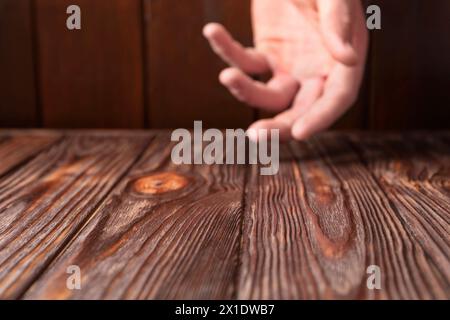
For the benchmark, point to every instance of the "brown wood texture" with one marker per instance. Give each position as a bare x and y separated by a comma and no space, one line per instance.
140,227
15,149
46,201
91,77
18,107
183,71
165,232
412,171
312,231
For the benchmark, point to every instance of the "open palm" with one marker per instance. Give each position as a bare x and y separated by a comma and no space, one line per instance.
315,50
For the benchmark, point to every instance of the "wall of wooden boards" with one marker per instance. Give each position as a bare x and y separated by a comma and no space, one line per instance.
145,64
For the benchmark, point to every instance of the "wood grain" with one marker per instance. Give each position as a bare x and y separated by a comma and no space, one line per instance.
93,77
45,202
15,149
140,227
311,232
183,71
413,173
165,232
18,105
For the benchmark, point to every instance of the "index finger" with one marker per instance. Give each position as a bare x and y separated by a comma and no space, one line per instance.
247,59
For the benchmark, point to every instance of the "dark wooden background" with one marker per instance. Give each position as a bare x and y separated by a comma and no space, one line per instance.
144,64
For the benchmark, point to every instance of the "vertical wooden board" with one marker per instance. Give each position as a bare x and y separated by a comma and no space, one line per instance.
410,66
91,77
313,230
182,69
18,106
44,203
17,148
166,232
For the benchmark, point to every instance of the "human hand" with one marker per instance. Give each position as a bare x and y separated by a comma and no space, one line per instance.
316,52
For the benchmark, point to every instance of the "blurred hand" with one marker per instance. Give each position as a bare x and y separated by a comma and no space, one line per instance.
316,52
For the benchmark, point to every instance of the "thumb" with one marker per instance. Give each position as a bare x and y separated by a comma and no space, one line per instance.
336,18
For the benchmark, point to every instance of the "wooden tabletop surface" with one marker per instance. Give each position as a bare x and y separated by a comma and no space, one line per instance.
138,226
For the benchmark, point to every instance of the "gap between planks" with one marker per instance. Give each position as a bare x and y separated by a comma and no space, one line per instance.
87,219
190,238
19,288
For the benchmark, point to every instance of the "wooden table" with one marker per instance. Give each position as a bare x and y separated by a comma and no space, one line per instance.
137,226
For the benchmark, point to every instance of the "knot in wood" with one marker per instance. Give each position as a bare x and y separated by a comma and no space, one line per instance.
160,183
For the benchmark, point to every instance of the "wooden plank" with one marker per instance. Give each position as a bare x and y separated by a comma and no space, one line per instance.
414,172
18,148
18,106
165,232
311,232
182,69
44,203
410,66
93,77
